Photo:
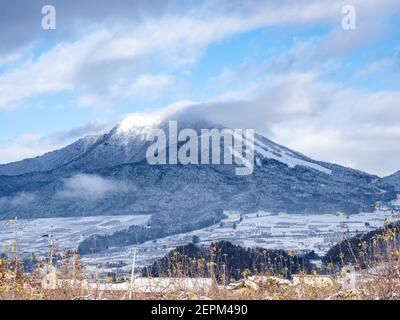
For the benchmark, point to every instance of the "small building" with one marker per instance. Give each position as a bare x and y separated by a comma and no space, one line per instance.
350,278
146,285
49,281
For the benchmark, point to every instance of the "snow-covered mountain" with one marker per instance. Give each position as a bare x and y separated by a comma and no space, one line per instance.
120,145
125,143
108,174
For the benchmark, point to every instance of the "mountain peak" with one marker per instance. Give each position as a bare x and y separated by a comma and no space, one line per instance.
138,124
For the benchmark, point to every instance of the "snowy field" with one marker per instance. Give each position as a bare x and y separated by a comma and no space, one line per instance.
68,232
294,232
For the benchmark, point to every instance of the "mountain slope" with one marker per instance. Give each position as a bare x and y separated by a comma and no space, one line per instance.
393,180
51,160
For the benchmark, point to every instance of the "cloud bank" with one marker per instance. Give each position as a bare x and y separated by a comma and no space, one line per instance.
20,199
90,187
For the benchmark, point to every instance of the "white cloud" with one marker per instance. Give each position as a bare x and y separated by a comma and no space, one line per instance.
386,64
83,66
144,87
20,199
53,71
181,39
352,127
257,107
90,187
10,58
26,146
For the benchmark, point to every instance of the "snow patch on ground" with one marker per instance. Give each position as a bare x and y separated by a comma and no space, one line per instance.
68,232
397,201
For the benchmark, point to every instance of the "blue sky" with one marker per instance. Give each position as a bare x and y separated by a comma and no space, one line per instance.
285,68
